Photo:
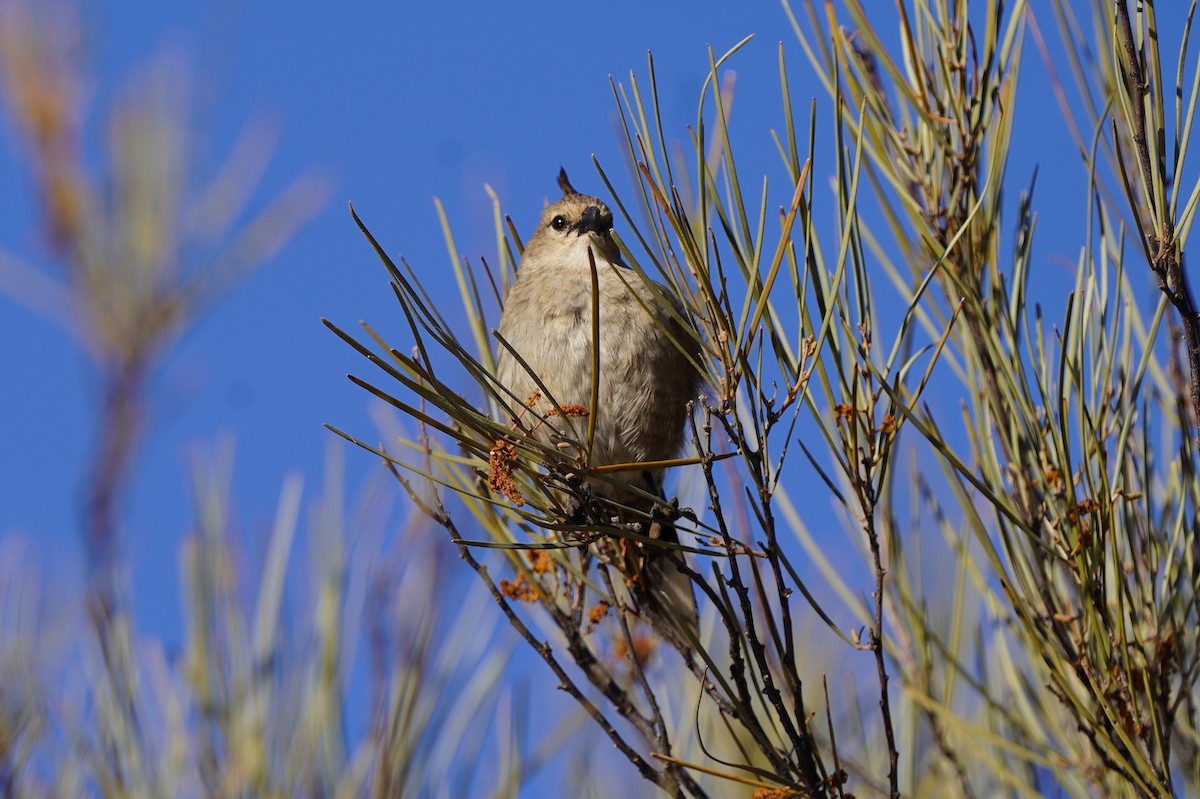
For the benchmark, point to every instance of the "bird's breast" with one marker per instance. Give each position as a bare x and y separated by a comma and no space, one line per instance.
644,380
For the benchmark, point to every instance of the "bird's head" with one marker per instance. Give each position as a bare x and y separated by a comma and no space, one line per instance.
570,226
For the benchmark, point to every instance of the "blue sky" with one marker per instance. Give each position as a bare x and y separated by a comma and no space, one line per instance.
395,103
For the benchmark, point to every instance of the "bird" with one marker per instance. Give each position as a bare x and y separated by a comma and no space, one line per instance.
648,374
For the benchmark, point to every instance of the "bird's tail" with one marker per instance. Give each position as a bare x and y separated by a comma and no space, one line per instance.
665,586
659,583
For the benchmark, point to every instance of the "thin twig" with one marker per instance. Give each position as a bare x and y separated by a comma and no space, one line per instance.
589,665
737,663
876,640
663,741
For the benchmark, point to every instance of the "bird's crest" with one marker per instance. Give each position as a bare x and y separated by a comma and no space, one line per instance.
567,189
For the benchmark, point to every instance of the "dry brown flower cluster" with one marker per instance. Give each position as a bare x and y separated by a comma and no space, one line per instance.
596,615
523,589
520,589
574,410
500,469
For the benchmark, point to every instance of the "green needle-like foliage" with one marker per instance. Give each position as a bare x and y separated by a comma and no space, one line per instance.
1013,595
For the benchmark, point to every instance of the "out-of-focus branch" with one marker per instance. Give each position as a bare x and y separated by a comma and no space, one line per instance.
121,420
139,249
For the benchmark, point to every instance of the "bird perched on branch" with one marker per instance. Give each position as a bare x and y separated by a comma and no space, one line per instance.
645,377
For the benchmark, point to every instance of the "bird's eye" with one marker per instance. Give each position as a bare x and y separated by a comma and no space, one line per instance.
559,222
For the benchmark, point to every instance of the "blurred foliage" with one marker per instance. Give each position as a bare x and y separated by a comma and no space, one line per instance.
269,694
140,246
1013,600
332,680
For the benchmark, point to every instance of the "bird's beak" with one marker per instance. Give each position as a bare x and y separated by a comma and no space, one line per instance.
590,221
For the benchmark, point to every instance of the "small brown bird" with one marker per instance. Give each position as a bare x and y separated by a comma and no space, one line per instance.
645,379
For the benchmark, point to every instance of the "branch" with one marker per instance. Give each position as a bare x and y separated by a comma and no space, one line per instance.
885,706
584,659
1166,259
